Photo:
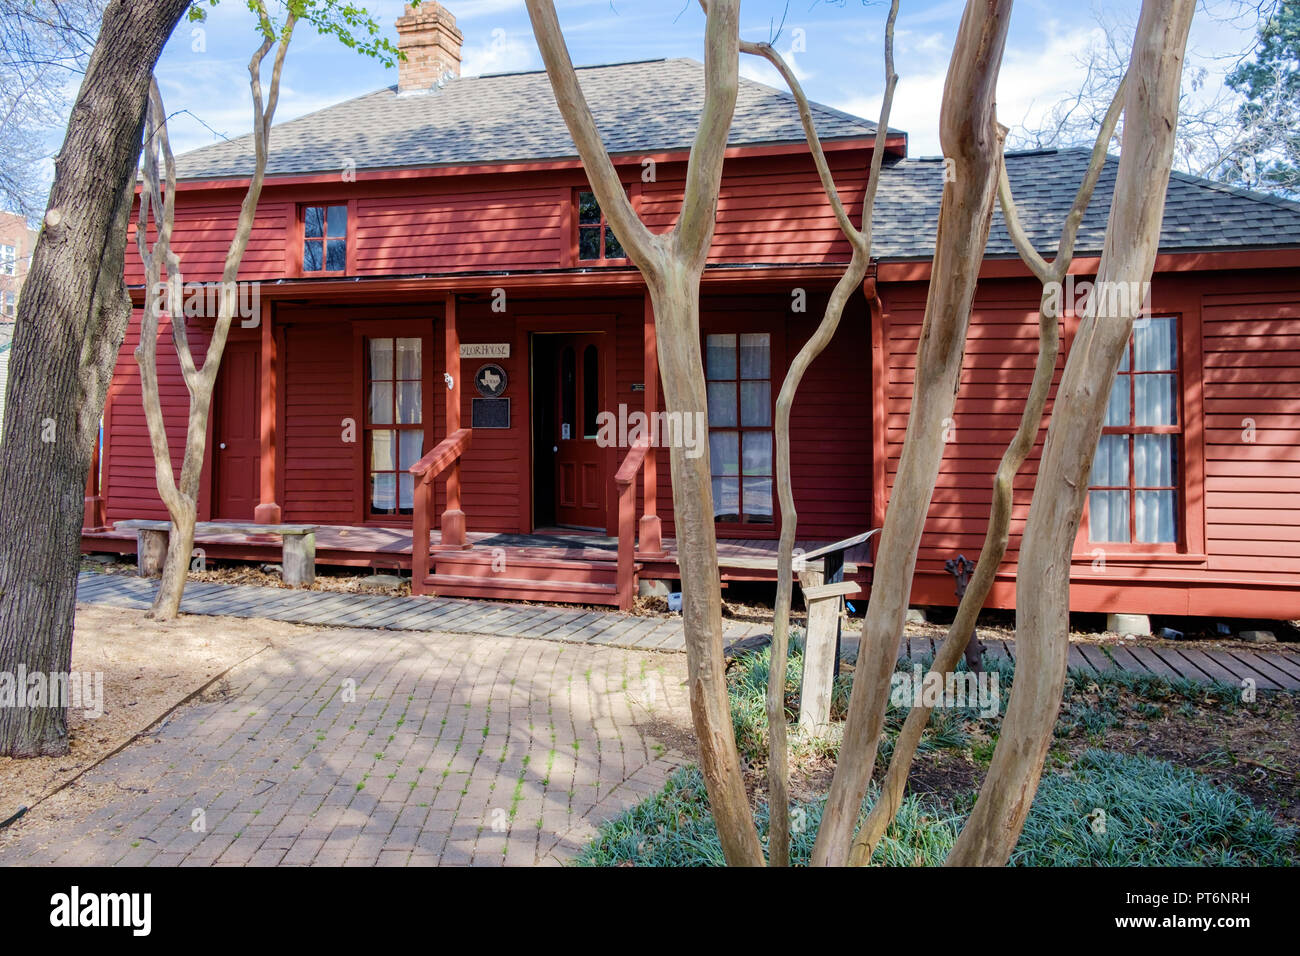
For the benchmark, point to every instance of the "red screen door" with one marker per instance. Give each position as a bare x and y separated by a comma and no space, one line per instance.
238,452
579,461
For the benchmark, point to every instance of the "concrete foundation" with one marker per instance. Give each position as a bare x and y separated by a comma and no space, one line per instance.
1138,625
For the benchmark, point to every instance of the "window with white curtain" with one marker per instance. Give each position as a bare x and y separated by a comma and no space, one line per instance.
1133,489
394,423
738,368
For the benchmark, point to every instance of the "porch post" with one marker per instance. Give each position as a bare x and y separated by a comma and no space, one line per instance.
453,519
267,511
93,514
651,536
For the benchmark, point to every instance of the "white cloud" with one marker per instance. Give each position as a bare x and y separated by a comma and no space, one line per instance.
1031,81
761,71
502,52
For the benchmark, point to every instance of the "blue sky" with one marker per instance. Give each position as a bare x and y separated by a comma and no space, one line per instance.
204,77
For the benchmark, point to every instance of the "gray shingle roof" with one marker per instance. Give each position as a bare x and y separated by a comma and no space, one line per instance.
639,107
1199,214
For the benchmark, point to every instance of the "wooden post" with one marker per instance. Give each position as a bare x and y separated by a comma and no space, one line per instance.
626,520
267,511
150,551
818,657
651,536
92,518
453,518
298,559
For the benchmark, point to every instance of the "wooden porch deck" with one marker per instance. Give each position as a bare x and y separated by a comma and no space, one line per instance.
390,548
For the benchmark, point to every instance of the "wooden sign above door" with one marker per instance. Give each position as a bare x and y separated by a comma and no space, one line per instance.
485,350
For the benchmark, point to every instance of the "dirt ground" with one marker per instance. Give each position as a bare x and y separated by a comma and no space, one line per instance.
148,668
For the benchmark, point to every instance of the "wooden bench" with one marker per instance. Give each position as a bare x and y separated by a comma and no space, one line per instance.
297,544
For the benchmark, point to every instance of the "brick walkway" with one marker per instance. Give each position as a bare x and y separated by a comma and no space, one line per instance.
444,615
1275,669
369,747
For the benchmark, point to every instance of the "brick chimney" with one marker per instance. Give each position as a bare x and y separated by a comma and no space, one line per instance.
428,36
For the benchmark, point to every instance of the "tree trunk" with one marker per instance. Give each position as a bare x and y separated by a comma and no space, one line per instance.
997,536
972,142
71,321
677,327
1042,607
182,497
671,264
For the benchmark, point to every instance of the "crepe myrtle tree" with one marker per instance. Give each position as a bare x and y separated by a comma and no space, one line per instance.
1043,571
1150,101
860,241
672,264
164,277
997,535
972,140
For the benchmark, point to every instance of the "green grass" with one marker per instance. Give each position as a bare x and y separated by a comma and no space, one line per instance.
1156,813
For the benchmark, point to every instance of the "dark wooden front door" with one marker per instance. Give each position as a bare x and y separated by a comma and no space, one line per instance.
580,479
236,457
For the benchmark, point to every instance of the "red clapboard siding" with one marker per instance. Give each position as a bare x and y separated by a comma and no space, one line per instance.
516,229
769,211
130,481
202,235
319,471
1252,433
1242,343
999,364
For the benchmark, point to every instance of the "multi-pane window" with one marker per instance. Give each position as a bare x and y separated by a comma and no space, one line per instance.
8,260
738,368
1133,489
8,304
596,240
394,423
324,238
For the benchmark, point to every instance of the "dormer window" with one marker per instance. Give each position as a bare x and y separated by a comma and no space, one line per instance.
596,240
324,239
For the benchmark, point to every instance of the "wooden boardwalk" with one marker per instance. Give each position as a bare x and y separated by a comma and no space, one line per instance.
1270,670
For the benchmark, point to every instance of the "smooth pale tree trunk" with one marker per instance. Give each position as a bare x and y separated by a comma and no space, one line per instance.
181,497
672,264
675,297
70,324
996,538
1043,573
972,146
778,772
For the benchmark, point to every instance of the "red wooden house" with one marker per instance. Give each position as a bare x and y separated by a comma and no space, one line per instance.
443,229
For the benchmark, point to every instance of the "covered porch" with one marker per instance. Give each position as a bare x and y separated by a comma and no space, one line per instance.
488,388
390,549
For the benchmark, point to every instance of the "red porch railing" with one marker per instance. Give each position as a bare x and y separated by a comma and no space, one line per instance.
445,456
625,481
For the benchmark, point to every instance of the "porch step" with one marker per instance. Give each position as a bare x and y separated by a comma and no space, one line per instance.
521,589
503,566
